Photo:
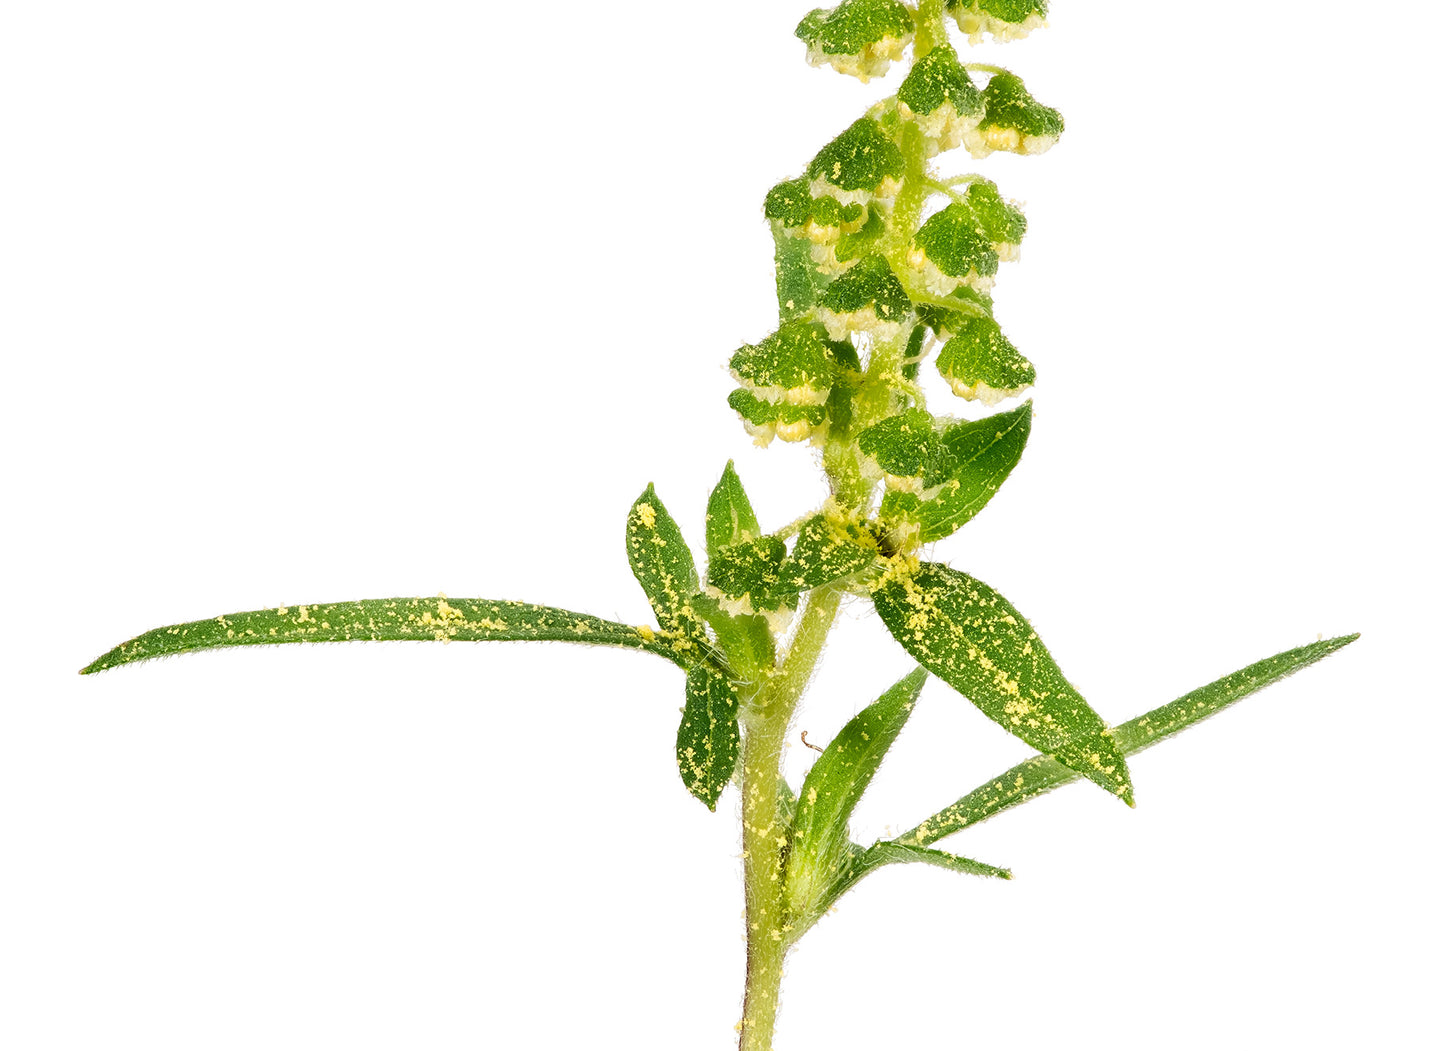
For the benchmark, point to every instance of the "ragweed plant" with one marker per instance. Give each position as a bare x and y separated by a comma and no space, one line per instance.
881,264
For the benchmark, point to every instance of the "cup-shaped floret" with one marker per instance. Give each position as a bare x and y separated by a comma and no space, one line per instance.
980,364
858,37
867,298
1004,20
793,365
1013,120
904,446
998,220
766,420
949,250
855,241
860,164
789,203
821,220
940,99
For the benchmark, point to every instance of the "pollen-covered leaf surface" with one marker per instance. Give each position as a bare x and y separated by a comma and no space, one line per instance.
437,619
707,738
664,566
1041,773
971,637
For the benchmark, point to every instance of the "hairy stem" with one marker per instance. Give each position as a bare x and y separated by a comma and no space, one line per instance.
764,831
931,31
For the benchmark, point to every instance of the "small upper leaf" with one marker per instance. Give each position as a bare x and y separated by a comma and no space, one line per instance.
979,456
730,516
663,565
972,638
707,738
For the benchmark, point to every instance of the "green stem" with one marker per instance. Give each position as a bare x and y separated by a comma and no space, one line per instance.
764,831
931,31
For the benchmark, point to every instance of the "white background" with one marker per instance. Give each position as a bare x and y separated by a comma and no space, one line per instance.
311,301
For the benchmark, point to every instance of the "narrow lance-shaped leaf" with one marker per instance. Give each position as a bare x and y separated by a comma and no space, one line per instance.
832,789
1033,777
707,738
386,620
663,565
972,638
980,455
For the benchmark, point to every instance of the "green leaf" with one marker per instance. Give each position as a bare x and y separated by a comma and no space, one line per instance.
979,456
888,853
745,638
663,565
1033,777
825,550
438,619
863,861
707,739
834,785
972,638
730,516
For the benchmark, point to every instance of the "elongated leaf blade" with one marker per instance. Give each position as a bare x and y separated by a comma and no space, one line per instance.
972,638
864,861
836,783
730,516
1033,777
889,853
663,565
438,619
981,454
707,739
